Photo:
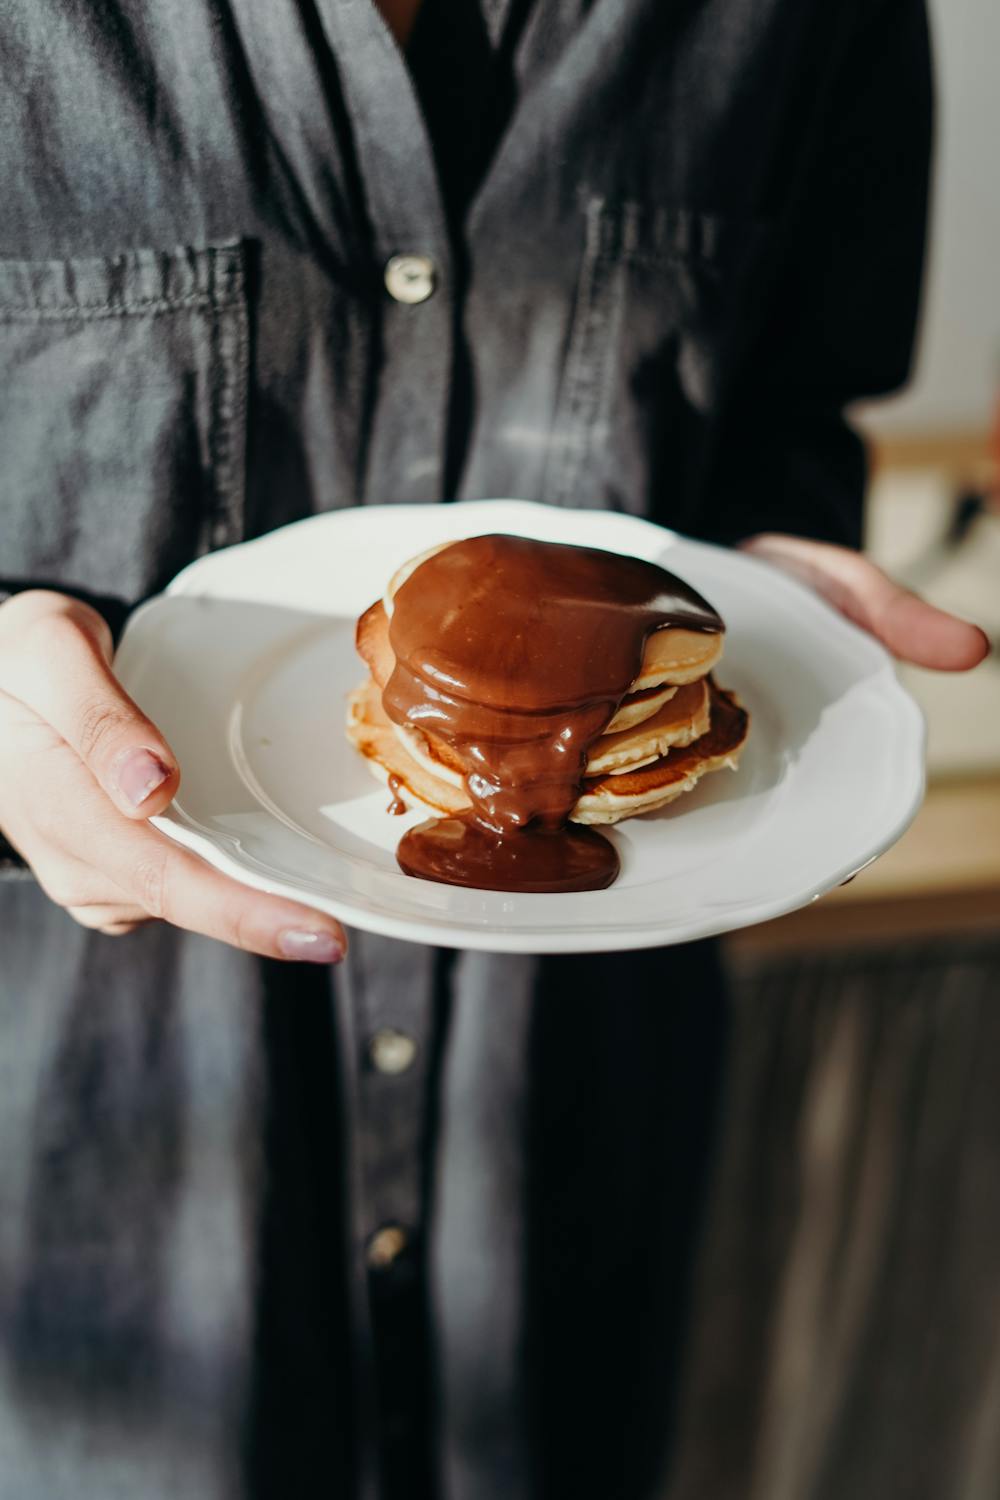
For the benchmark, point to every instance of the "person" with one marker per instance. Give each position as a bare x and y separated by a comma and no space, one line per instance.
424,1223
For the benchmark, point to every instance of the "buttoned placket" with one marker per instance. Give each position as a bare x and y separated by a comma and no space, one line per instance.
412,249
388,1011
386,1005
389,1039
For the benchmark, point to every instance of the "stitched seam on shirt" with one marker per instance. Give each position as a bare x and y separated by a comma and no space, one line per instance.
663,262
635,233
585,376
89,311
228,428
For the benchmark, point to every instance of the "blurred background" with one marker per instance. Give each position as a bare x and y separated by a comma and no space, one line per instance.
931,906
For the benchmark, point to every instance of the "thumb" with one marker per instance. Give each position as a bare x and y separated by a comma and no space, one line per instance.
913,630
55,657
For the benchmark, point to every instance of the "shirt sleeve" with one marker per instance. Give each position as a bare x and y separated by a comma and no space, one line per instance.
843,304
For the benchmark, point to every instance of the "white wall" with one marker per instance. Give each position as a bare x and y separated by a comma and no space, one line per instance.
958,366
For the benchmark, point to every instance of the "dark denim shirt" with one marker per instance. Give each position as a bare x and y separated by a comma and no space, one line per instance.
668,243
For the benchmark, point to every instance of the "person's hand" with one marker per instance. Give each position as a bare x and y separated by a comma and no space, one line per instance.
907,625
81,769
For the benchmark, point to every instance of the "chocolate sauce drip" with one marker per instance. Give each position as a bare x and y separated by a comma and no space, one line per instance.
513,656
462,851
397,806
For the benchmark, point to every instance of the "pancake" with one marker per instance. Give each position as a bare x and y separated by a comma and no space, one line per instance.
371,732
502,665
679,722
609,798
371,637
642,705
606,798
402,574
683,719
672,655
644,700
677,656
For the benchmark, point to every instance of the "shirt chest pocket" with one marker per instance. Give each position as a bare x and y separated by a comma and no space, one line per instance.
123,389
662,304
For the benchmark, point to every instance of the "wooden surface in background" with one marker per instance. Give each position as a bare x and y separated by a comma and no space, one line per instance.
965,454
942,878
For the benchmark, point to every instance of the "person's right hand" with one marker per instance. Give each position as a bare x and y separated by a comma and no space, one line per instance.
81,769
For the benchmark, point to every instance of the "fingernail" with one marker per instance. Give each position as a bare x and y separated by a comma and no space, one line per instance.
139,775
312,947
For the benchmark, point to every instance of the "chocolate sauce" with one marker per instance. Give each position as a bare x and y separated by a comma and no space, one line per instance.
397,806
452,850
513,656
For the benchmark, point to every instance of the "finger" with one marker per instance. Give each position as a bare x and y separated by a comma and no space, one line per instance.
110,872
173,884
113,921
57,660
907,625
68,880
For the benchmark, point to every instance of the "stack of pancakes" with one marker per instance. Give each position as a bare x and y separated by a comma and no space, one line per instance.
674,726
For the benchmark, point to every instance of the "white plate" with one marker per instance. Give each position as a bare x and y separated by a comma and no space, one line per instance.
245,661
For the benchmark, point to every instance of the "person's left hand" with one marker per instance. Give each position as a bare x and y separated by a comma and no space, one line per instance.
907,625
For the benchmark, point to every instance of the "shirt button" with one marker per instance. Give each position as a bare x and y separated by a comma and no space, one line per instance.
410,278
386,1246
391,1051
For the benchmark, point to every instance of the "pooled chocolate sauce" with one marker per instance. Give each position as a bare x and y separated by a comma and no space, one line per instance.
513,656
452,850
